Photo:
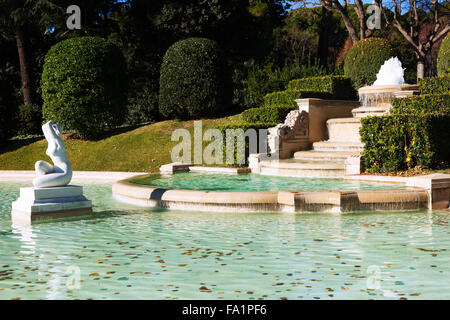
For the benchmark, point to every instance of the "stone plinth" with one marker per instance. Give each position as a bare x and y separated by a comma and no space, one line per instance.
175,167
36,204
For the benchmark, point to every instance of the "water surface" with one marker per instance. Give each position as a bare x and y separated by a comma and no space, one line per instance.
136,253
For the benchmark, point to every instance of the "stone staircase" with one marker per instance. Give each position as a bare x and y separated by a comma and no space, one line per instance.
327,158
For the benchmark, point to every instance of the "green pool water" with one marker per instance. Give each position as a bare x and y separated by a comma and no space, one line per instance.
254,182
129,252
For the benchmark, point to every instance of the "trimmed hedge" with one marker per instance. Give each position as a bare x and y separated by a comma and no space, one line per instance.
435,85
273,114
443,60
364,60
398,142
244,126
194,80
288,97
340,87
423,104
84,85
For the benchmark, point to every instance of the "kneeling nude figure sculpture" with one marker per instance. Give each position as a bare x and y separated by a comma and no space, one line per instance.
59,174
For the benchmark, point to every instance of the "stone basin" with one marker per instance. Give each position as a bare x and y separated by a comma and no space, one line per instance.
371,96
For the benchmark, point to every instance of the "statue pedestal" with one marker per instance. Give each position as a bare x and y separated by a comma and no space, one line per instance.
37,204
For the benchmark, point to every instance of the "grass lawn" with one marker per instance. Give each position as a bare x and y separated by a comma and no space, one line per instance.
143,149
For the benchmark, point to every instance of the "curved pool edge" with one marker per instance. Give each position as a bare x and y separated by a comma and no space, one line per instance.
272,201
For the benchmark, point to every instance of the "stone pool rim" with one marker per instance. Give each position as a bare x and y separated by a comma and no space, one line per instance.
422,193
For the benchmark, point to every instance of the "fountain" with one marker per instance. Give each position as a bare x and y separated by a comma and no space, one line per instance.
389,84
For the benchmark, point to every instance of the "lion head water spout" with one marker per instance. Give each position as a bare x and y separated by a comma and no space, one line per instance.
391,73
389,84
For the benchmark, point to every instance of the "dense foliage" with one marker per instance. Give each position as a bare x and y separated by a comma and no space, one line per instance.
252,83
423,104
84,85
435,85
194,80
399,142
443,60
236,133
7,110
29,119
340,87
143,105
364,60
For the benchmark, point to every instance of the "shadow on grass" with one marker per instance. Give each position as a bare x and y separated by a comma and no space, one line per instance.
12,145
19,142
119,130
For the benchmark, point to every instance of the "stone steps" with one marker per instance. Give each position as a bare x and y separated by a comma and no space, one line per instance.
334,146
301,168
362,112
313,155
344,129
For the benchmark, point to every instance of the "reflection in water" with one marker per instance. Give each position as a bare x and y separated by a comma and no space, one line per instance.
26,237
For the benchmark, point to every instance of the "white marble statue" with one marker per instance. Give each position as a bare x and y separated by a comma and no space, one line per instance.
60,173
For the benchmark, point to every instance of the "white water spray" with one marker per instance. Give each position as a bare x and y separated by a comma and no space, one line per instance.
391,73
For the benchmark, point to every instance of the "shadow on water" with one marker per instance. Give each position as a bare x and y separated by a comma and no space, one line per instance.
97,217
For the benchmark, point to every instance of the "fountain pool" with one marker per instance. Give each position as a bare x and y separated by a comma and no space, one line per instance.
130,252
253,182
262,193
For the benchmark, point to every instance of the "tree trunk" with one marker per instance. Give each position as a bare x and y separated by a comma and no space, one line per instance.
351,30
420,68
25,73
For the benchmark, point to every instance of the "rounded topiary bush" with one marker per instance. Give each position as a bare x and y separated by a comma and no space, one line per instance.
194,81
363,61
84,85
443,62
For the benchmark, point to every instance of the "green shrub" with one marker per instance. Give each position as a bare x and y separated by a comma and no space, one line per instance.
423,104
443,60
194,80
272,114
142,105
29,119
288,97
84,85
398,142
240,138
340,87
252,83
364,60
435,85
